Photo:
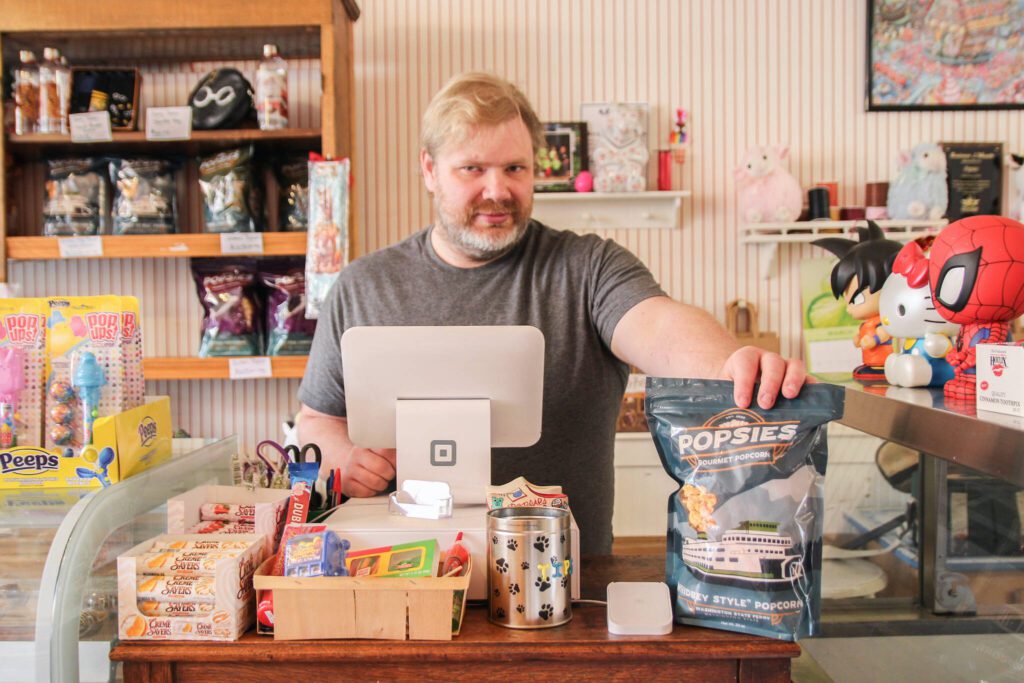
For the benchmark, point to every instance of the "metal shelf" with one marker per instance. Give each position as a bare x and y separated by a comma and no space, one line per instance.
989,443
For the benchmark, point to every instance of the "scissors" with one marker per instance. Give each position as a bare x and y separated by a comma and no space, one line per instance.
276,458
298,454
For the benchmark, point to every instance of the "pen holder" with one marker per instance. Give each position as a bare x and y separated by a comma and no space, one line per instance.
529,567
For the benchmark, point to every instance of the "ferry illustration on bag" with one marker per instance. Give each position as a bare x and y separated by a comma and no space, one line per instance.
753,555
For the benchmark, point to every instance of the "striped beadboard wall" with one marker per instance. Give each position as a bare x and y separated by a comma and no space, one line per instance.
749,71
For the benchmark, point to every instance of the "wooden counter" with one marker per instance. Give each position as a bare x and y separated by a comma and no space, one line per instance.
580,649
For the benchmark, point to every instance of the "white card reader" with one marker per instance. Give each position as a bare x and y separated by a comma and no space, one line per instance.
639,608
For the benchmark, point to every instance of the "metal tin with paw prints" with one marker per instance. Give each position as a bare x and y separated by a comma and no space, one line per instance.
529,567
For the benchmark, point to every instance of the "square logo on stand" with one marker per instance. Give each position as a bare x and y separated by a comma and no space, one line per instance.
442,453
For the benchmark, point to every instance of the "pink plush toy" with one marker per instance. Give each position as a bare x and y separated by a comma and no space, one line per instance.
767,192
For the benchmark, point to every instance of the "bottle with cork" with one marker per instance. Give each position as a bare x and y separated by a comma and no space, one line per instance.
272,90
26,94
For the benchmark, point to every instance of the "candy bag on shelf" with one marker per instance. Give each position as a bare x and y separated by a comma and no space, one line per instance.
145,196
289,331
228,293
76,197
327,241
231,200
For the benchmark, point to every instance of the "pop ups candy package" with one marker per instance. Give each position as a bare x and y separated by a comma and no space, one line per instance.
744,529
227,291
145,198
76,197
289,331
22,367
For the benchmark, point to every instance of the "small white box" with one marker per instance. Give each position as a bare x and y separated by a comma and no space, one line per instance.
270,507
1000,378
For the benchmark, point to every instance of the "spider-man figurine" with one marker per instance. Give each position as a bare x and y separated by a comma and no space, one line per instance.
976,273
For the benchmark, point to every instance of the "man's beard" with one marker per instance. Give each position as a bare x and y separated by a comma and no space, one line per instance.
482,244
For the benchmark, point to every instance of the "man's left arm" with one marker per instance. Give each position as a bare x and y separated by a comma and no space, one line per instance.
665,338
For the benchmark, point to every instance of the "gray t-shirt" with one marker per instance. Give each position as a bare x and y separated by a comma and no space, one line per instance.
574,288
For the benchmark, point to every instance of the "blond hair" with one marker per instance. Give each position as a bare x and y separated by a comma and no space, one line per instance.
473,99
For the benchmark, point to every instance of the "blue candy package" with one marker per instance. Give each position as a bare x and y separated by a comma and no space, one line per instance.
745,526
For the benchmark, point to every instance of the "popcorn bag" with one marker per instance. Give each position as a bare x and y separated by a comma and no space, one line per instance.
744,529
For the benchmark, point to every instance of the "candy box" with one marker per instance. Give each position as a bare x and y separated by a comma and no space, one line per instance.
233,609
183,511
123,444
417,559
365,607
317,554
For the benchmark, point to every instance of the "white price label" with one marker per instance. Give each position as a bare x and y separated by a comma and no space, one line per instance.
257,367
80,247
91,126
169,123
241,243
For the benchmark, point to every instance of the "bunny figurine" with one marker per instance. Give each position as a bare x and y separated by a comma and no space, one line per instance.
767,192
1016,162
919,191
921,337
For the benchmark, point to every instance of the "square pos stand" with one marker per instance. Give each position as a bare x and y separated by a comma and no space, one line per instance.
438,440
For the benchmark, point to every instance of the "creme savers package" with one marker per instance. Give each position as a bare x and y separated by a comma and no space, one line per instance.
744,528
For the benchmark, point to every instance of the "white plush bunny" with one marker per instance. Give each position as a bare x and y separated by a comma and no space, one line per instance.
1016,162
921,337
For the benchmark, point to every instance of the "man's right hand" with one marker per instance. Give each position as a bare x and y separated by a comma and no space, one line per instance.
367,472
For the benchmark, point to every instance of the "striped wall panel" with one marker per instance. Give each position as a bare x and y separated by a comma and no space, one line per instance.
749,71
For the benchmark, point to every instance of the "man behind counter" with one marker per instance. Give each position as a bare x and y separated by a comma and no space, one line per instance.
485,262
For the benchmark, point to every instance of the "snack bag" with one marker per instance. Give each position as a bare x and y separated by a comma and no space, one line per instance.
227,292
145,198
293,202
231,202
744,529
289,331
327,241
76,197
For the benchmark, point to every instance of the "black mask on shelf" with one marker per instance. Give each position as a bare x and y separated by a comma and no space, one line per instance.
221,99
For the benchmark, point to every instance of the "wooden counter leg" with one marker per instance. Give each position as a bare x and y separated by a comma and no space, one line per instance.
148,672
762,671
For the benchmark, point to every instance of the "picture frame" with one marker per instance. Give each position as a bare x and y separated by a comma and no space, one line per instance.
936,56
562,158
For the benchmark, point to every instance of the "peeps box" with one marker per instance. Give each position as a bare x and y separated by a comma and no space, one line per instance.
123,444
1001,378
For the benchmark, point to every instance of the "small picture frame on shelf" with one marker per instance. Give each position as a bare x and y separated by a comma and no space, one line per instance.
115,90
562,157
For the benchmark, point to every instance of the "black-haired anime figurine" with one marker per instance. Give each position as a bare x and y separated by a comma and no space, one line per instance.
858,277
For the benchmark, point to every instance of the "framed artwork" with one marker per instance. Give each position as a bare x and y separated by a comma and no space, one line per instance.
617,145
562,157
945,54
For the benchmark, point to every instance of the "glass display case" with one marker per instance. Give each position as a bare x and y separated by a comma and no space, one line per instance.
58,569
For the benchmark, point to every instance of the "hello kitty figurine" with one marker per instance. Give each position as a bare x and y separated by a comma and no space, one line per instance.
919,191
921,337
767,193
619,155
1016,162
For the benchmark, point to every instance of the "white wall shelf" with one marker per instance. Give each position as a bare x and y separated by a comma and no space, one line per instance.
768,236
609,210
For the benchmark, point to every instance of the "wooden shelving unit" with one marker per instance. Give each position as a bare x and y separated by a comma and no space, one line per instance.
181,245
283,367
